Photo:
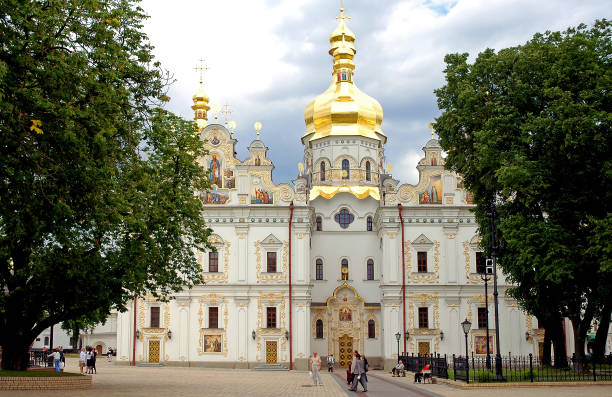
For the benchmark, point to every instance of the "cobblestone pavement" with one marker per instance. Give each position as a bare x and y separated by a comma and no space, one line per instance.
114,380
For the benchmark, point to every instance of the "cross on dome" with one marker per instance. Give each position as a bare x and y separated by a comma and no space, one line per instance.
201,68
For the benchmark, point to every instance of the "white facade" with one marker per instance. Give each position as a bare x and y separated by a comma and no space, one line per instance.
341,308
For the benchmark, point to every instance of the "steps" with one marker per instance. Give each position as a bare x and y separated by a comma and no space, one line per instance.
271,367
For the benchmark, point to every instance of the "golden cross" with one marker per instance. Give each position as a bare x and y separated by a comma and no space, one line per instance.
431,127
201,68
227,111
342,16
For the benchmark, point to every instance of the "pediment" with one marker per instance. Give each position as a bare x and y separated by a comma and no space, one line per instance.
271,240
422,240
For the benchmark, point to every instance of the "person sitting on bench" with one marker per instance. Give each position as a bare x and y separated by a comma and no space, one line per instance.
398,368
423,375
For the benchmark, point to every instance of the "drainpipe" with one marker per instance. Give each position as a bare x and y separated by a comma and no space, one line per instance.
399,209
134,337
290,293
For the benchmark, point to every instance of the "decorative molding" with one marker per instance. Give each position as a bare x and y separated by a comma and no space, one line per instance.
422,278
470,278
278,277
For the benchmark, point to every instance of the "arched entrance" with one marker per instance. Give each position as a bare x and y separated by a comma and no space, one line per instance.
345,350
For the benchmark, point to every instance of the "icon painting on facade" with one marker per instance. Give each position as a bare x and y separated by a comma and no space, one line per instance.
214,169
212,343
345,314
433,192
214,197
259,194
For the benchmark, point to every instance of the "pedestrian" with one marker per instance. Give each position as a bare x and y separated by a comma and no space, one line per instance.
359,374
62,359
109,354
365,366
56,359
89,358
349,375
315,366
82,359
330,362
94,353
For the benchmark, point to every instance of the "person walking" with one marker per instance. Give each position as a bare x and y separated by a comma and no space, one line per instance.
62,359
315,366
330,362
365,367
56,359
88,358
109,354
94,353
358,374
82,359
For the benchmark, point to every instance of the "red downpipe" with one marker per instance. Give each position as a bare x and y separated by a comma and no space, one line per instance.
290,294
399,208
134,338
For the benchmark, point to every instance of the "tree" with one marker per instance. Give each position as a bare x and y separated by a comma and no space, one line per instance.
529,127
97,183
74,326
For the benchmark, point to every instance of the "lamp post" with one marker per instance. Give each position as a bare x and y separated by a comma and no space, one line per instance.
398,337
407,335
486,277
466,325
498,361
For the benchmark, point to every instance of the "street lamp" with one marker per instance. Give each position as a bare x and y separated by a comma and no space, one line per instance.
398,337
466,325
486,276
498,361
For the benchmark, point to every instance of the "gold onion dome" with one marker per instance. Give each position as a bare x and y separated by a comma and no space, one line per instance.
343,109
200,107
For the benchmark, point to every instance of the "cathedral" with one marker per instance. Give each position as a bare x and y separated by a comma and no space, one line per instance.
344,259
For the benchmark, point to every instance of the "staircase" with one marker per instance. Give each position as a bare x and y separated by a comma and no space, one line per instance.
271,367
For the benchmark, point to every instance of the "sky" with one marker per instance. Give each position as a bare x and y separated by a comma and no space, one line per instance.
268,58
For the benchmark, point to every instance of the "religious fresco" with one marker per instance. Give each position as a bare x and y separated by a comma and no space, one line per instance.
214,169
433,192
229,181
214,197
259,194
345,314
468,197
212,343
301,188
480,344
214,140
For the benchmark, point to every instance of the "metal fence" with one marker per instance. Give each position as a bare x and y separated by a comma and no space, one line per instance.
528,369
514,368
39,359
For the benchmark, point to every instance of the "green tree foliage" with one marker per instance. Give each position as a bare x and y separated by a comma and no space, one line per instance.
96,182
530,129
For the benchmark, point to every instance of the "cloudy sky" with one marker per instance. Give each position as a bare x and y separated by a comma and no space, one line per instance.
268,58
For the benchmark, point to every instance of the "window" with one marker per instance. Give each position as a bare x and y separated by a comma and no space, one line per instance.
423,317
345,167
422,262
344,269
482,317
271,317
271,264
319,269
370,225
319,329
480,262
344,218
322,171
155,317
46,340
213,317
370,269
319,222
368,171
213,262
540,323
371,329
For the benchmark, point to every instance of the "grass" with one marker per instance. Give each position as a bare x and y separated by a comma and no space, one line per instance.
32,374
541,374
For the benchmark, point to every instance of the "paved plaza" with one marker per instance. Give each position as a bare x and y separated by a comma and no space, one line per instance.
114,380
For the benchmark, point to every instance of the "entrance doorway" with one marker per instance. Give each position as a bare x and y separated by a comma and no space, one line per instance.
271,352
345,350
423,348
99,349
154,351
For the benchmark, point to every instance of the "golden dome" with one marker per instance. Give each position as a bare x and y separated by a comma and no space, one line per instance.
343,109
200,107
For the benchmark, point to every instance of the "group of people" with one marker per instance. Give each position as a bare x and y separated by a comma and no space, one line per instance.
87,360
357,372
59,359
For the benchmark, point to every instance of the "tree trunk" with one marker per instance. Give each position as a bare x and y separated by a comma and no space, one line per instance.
580,331
15,356
558,340
599,349
546,358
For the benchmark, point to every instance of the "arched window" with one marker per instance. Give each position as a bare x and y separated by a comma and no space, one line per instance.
371,329
319,269
344,218
319,222
370,224
345,167
322,170
344,269
370,269
368,171
319,329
